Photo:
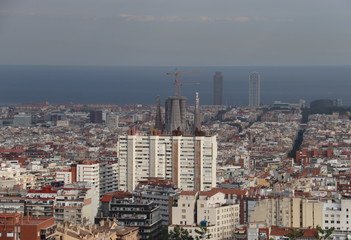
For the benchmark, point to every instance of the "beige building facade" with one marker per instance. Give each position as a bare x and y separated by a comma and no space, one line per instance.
206,208
288,212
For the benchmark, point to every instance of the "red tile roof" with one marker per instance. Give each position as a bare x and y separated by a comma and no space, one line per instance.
107,198
280,231
193,193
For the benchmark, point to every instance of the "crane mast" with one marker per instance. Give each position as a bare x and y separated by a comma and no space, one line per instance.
177,83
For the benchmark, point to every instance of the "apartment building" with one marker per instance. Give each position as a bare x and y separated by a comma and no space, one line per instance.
209,209
77,203
103,175
162,192
108,176
14,226
188,161
132,211
10,204
288,212
40,203
337,214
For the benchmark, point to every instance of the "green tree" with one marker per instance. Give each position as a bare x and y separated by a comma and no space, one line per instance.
164,232
203,233
324,234
294,234
179,233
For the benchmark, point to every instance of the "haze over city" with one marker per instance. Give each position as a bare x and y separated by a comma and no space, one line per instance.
175,120
175,33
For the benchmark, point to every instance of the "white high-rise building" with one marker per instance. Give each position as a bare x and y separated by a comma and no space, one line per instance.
102,175
188,161
254,90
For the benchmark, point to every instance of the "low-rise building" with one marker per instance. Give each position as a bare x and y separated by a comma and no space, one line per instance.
209,209
162,192
14,226
40,203
77,203
132,212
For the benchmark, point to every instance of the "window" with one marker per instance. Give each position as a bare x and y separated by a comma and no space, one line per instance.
183,217
9,234
183,210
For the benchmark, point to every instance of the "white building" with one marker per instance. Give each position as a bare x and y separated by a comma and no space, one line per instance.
209,208
102,175
188,161
254,90
337,214
89,172
108,177
77,203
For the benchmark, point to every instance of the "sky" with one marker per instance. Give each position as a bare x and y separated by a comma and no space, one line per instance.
175,33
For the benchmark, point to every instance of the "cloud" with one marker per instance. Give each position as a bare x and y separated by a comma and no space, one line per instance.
136,18
172,19
241,19
206,19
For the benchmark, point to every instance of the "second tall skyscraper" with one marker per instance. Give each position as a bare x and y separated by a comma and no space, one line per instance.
218,89
254,90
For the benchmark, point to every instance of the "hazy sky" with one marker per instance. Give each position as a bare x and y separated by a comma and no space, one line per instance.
175,33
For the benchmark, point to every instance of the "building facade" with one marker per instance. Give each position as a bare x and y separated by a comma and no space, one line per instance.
218,89
254,90
40,203
102,175
188,161
288,212
162,192
14,226
77,203
132,212
209,209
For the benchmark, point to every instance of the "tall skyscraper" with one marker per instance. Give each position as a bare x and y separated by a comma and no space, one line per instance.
254,90
218,89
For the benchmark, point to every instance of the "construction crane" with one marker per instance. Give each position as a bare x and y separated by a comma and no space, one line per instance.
177,84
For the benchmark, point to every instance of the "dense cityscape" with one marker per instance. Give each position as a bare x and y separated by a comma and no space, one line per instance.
176,171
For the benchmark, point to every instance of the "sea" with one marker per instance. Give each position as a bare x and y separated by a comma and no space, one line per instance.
141,85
